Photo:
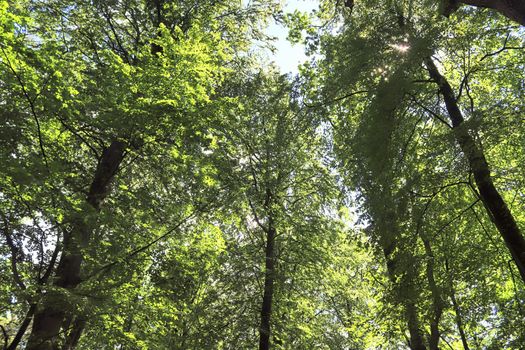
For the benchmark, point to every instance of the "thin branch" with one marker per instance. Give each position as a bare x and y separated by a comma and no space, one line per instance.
516,296
463,83
43,280
471,99
503,48
440,189
407,143
14,253
107,16
30,102
431,112
264,228
336,99
456,217
6,337
144,247
445,340
484,229
23,327
254,175
71,130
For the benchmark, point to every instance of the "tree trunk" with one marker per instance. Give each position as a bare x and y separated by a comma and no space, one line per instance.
23,327
269,277
457,309
437,301
512,9
400,275
405,293
49,318
416,335
489,195
73,337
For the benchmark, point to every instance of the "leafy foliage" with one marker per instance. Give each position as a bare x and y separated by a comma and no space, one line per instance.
164,188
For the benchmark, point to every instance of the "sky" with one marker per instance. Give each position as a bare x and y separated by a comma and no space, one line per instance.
287,56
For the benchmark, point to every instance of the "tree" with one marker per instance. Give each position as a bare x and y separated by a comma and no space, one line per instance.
286,188
103,82
165,187
373,81
513,9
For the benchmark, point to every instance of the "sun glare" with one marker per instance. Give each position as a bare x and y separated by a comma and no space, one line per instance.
401,47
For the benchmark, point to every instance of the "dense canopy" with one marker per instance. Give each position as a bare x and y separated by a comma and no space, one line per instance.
164,186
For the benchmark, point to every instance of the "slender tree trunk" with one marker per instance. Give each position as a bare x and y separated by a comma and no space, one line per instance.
405,293
77,327
416,335
437,301
512,9
269,277
23,327
50,317
459,320
491,198
457,308
400,275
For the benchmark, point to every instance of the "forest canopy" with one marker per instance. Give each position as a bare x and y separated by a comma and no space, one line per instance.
164,185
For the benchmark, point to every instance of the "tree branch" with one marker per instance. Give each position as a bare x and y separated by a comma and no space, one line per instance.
30,102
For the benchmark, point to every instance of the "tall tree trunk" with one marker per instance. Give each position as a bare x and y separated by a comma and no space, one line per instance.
512,9
416,335
405,294
77,327
399,270
491,198
437,301
457,308
23,327
50,316
269,278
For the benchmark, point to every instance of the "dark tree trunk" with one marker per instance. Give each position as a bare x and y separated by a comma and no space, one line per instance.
416,335
23,327
437,301
457,308
459,320
50,316
73,337
489,195
512,9
269,277
406,294
399,270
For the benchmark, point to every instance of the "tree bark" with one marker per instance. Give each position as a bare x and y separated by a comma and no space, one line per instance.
512,9
457,309
416,335
399,274
23,327
74,335
489,195
269,277
437,301
405,293
50,316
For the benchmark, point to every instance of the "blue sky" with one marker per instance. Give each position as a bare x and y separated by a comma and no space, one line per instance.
288,56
